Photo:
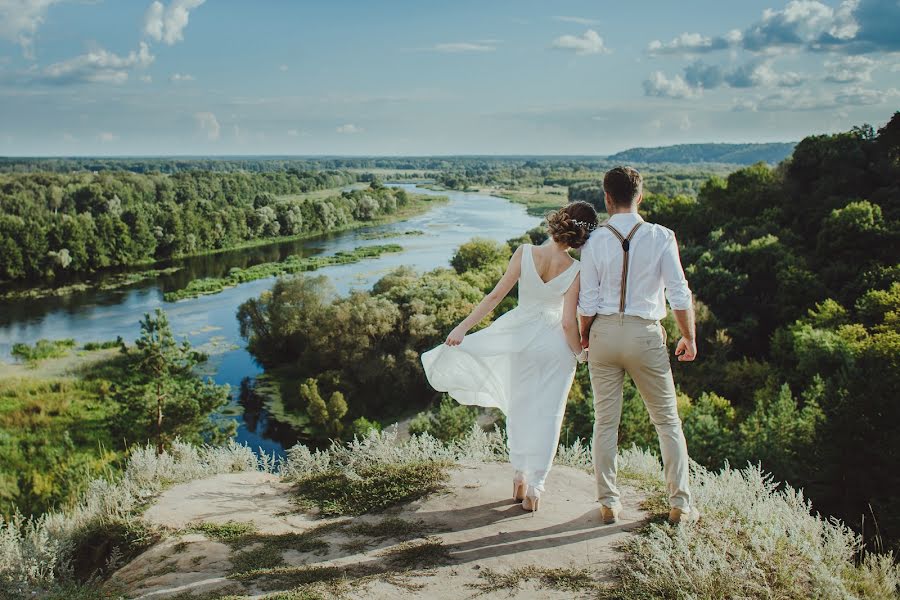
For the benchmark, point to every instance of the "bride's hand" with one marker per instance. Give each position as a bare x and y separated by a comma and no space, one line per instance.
456,336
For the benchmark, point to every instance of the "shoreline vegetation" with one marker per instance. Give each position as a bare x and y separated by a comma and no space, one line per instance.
291,265
416,205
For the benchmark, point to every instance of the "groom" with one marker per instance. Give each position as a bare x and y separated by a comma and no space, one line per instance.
628,270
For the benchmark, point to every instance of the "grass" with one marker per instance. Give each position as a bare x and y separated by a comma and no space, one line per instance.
42,350
538,200
378,235
111,282
54,438
566,580
292,264
426,553
390,528
257,551
376,487
104,544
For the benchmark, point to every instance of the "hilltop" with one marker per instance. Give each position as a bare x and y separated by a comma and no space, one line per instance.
740,154
380,517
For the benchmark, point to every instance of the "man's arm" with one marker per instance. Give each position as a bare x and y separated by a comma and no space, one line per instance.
681,300
589,294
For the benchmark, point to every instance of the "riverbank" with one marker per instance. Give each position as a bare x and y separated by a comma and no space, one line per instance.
290,265
105,281
538,201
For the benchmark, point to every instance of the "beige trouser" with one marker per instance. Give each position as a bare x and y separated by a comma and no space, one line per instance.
620,344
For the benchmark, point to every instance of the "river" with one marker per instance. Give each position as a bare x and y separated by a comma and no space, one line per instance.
209,322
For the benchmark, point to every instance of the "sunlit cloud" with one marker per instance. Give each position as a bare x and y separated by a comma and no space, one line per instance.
589,42
98,66
167,23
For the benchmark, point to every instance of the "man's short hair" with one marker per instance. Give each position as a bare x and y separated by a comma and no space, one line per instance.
623,184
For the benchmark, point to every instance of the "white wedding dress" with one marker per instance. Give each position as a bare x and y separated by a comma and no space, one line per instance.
520,364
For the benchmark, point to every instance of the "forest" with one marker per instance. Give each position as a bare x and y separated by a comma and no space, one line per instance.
55,226
795,272
742,154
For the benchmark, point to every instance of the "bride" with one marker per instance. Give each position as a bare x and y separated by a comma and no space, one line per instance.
524,362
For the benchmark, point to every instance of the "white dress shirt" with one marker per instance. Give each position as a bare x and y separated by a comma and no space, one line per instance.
654,271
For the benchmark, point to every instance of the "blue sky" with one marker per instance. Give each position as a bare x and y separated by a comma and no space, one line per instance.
144,77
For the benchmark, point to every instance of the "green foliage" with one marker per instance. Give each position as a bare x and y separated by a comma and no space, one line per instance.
376,488
93,545
371,352
54,438
478,254
80,222
292,264
161,398
361,427
42,349
743,154
446,422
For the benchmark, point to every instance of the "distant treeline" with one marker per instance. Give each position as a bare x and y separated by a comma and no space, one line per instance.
735,154
740,154
54,224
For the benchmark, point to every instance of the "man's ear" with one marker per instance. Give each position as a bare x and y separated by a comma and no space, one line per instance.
640,199
608,202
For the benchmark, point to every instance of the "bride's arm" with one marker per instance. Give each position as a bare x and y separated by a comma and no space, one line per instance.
570,316
490,301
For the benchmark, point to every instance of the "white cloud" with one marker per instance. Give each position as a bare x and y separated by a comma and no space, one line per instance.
293,133
686,123
854,26
588,43
98,66
283,68
578,20
166,23
179,77
761,74
459,47
850,69
208,124
349,128
676,87
106,137
68,137
20,20
146,79
695,43
805,100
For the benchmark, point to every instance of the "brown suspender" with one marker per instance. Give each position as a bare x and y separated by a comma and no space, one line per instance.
626,246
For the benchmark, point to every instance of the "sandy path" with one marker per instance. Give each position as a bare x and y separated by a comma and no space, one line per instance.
475,518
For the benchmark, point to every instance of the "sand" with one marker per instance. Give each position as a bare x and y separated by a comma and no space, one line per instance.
475,517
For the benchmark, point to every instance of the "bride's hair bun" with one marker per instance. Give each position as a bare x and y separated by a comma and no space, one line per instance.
572,224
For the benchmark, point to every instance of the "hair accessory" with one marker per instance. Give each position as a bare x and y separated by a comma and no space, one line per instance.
585,224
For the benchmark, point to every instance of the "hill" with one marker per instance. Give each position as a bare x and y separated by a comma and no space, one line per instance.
740,154
424,519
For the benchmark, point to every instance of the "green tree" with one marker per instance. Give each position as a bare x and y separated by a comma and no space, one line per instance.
315,405
164,399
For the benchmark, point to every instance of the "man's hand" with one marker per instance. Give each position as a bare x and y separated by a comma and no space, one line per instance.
585,327
686,350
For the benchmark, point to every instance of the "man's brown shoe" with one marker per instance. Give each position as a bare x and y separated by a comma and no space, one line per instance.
677,515
608,515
